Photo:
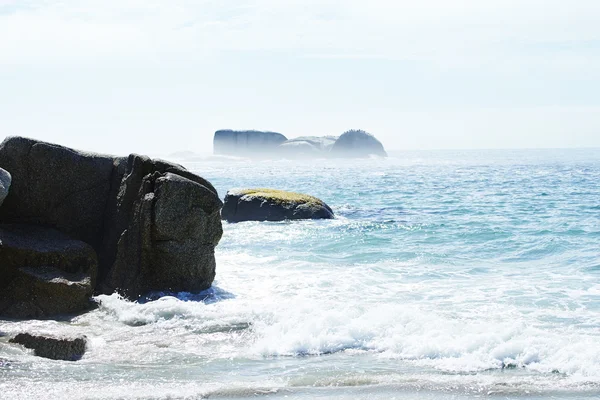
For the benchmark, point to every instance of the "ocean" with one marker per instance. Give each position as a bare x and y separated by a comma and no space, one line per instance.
445,275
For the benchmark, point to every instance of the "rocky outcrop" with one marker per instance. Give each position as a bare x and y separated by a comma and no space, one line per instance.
5,180
323,143
43,272
56,186
357,143
306,147
61,348
246,143
298,149
352,144
153,225
272,205
161,227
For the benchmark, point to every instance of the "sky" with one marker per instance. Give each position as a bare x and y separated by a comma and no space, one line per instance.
146,76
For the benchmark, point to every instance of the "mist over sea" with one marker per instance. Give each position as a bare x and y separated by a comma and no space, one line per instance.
446,274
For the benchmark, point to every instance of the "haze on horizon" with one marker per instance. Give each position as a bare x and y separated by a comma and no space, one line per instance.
158,77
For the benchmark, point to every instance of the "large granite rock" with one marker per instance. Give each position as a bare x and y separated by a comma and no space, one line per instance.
5,180
246,143
272,205
43,272
357,143
56,186
55,348
164,227
152,224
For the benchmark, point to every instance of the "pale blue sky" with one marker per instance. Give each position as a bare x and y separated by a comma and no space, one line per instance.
156,76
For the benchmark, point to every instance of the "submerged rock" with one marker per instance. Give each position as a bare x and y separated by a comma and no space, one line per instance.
5,180
62,348
43,272
246,143
153,225
272,205
357,143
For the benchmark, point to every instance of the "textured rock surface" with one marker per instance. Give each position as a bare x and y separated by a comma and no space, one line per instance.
272,205
43,272
164,228
153,224
246,143
5,180
357,143
56,186
61,348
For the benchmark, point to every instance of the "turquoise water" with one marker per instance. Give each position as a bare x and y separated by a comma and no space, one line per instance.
445,275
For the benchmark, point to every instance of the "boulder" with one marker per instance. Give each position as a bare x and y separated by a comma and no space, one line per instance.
272,205
5,180
56,186
152,224
165,229
60,348
246,143
43,272
357,143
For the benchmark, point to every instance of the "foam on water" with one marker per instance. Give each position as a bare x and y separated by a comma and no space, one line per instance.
439,275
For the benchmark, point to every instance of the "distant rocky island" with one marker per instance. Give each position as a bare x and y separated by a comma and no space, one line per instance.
352,144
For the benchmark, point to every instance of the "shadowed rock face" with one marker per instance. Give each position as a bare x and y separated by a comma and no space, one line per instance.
5,180
153,225
161,227
67,349
272,205
246,143
43,272
357,143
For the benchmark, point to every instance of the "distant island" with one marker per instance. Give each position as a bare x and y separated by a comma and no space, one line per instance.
251,143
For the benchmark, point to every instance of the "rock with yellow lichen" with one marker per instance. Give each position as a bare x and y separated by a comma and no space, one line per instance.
272,205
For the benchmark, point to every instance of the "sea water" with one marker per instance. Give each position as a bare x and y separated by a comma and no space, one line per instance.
459,275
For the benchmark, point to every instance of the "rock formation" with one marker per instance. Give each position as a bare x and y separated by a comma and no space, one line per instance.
352,144
44,272
306,147
62,348
272,205
153,225
5,180
357,143
246,143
